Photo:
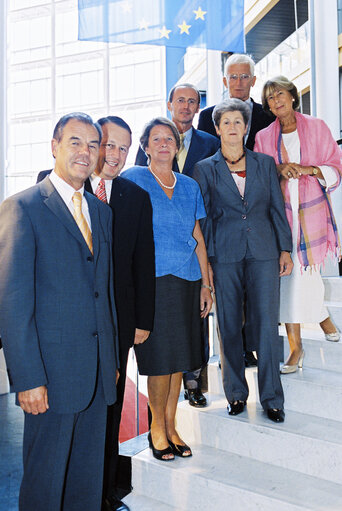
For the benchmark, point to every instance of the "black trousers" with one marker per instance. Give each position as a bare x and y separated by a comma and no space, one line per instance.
111,461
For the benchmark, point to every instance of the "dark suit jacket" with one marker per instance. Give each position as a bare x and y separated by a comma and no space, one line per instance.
258,221
133,252
56,298
201,146
260,120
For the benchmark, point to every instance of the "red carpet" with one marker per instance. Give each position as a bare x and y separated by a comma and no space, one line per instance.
128,426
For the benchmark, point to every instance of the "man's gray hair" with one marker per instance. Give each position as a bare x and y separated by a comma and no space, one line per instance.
239,58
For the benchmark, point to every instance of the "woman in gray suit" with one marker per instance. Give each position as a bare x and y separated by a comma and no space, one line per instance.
249,243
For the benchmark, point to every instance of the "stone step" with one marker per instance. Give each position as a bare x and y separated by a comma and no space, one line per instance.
335,312
319,353
333,288
221,480
305,443
137,502
311,391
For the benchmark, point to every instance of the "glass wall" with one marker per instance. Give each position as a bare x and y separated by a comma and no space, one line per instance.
51,73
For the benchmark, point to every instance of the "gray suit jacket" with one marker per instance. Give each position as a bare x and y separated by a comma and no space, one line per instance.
257,220
57,309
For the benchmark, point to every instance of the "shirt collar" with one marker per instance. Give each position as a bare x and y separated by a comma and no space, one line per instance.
65,190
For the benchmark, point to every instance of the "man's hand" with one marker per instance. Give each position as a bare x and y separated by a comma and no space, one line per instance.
285,264
140,336
117,376
34,401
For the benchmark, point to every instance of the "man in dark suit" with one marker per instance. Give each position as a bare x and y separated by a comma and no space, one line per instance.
184,102
238,79
57,318
134,271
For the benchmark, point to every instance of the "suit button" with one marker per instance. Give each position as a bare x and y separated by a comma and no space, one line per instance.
96,294
244,217
90,259
95,334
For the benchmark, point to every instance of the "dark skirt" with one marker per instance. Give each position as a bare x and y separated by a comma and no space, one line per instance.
175,343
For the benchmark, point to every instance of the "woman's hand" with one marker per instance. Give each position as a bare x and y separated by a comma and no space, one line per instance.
206,302
211,278
285,264
295,171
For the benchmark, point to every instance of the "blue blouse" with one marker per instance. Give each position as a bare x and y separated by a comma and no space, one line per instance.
173,223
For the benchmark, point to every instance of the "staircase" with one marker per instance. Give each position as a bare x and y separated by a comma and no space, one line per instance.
247,462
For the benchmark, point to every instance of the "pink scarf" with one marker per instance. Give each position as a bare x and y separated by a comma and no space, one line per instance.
317,233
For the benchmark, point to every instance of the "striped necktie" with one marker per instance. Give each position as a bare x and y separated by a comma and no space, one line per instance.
81,221
182,153
101,191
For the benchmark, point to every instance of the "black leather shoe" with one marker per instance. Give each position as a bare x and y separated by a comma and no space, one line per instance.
276,414
250,360
236,407
195,398
114,504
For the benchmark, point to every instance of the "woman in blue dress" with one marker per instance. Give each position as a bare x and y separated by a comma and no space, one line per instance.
183,292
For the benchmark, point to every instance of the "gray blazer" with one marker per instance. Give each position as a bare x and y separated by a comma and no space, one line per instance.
57,310
257,220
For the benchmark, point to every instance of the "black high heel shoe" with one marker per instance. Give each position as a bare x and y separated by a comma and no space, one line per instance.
159,453
180,450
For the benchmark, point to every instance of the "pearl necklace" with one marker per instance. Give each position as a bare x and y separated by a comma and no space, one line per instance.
161,182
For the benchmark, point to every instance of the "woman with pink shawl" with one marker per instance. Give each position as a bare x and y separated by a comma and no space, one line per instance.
309,165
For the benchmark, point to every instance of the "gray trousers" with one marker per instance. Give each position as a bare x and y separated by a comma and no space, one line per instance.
259,281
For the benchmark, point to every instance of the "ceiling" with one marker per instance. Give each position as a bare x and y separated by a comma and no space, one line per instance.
274,27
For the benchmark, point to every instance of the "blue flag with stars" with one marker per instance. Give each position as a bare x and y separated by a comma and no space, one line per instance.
212,24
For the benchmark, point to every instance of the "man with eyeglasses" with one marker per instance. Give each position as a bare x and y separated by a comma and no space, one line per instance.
238,79
184,103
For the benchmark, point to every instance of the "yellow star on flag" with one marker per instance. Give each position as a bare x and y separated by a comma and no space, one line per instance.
200,14
184,28
164,32
143,24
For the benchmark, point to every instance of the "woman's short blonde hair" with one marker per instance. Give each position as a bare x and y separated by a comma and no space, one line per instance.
278,83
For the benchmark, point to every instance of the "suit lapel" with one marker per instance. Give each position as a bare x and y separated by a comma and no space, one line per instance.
56,204
192,156
224,173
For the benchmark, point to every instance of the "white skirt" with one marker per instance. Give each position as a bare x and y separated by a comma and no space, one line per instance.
302,292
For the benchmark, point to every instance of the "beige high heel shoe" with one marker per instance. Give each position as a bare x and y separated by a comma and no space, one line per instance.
292,368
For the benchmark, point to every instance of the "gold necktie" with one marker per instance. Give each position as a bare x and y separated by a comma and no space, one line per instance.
81,221
182,153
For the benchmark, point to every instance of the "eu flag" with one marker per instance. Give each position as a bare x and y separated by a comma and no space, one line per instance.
213,24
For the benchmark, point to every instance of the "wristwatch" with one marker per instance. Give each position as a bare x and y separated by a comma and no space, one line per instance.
314,171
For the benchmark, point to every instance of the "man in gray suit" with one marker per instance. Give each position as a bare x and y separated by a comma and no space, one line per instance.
57,318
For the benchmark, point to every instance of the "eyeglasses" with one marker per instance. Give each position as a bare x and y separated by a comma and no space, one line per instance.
182,101
243,77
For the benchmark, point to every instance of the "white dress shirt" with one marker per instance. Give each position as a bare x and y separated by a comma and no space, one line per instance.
66,191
